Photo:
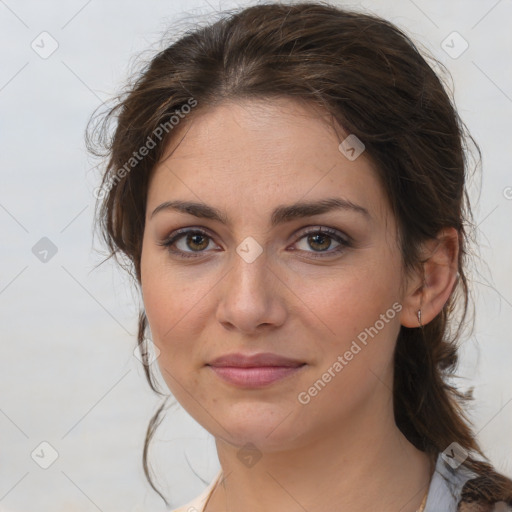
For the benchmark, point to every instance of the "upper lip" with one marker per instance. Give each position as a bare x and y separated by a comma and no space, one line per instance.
254,360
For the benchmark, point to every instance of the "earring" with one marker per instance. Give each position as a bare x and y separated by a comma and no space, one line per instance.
419,318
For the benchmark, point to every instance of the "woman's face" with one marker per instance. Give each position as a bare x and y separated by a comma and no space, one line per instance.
254,275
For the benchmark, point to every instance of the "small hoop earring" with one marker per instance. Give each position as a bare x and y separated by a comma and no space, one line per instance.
419,318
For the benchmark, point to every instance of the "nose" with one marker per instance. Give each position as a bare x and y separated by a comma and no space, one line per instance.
251,297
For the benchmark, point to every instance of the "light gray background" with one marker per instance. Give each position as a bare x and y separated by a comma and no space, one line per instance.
68,374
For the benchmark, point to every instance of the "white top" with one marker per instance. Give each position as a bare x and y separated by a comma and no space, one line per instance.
443,493
198,504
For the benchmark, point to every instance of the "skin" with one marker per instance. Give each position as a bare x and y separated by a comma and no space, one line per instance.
342,450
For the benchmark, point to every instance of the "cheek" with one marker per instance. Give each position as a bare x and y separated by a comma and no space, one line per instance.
349,299
173,308
359,313
355,363
174,319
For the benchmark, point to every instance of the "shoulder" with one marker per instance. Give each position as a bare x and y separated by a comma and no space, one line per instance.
461,489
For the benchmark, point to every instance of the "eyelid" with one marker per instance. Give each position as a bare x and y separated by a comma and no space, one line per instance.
315,228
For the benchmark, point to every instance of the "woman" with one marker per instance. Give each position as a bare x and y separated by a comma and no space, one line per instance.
288,184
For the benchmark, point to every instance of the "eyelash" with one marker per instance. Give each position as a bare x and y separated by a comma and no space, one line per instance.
333,234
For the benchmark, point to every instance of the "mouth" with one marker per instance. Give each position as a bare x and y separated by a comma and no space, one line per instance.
254,371
254,376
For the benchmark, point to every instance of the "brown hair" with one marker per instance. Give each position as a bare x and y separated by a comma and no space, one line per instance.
373,80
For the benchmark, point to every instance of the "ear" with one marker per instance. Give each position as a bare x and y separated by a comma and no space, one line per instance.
430,287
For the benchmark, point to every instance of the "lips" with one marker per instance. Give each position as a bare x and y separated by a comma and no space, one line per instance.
254,371
256,360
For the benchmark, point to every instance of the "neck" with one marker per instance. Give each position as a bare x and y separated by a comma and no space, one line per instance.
353,468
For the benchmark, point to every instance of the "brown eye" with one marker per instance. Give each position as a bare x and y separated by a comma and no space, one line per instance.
321,241
197,241
186,242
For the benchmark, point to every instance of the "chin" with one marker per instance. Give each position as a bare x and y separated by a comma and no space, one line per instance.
268,429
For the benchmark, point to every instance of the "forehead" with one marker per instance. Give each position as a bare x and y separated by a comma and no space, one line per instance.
242,154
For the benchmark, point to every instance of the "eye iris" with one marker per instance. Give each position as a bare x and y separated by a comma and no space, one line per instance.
318,238
194,238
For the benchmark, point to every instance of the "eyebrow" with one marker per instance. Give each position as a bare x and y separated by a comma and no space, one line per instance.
280,215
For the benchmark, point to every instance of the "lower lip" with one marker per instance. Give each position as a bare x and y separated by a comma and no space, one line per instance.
254,377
